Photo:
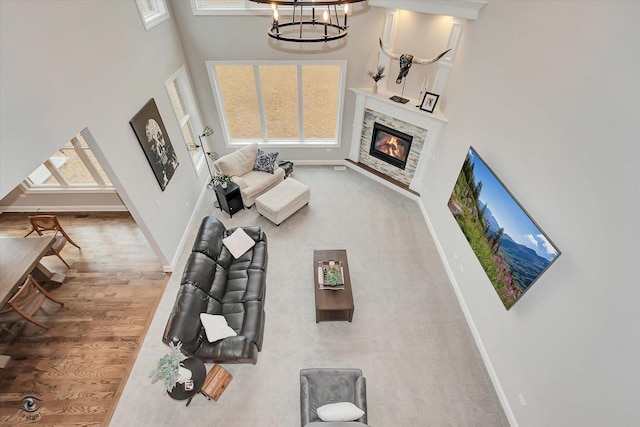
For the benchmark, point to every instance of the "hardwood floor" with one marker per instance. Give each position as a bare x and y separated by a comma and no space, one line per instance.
79,367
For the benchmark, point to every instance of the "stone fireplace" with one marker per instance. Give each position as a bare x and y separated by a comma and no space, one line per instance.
378,120
391,127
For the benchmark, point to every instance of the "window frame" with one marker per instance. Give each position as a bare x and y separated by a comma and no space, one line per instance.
62,184
156,18
192,115
240,7
300,142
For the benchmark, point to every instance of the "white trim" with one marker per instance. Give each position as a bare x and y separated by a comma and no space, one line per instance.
246,8
239,143
191,115
65,208
81,152
152,20
467,9
229,143
62,181
70,190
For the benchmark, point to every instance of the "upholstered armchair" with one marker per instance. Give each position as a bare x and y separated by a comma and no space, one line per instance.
241,166
322,386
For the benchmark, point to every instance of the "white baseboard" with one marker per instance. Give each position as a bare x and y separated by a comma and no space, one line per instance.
318,163
472,326
65,208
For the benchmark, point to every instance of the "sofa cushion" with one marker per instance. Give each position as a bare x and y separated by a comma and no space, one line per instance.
258,183
216,327
239,162
265,162
244,285
200,272
340,411
238,243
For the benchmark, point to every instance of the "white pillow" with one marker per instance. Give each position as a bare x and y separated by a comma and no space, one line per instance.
339,412
216,327
238,243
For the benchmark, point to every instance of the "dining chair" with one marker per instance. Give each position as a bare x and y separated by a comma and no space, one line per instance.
44,224
25,303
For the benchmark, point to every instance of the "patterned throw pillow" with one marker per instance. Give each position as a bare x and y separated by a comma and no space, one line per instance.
265,162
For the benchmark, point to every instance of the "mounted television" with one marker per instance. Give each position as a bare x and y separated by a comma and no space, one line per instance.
512,249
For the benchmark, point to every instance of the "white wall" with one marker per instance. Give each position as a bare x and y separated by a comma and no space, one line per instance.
207,37
67,65
547,92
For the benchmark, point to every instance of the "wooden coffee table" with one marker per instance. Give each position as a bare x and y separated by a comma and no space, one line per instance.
333,304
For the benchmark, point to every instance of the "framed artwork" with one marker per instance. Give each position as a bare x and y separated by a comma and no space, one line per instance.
155,143
512,249
429,102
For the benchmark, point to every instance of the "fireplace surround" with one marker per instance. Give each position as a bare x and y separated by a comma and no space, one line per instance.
406,118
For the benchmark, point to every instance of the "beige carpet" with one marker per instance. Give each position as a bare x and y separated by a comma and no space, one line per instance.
408,334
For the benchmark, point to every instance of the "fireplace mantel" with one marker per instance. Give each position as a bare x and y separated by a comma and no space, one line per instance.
408,113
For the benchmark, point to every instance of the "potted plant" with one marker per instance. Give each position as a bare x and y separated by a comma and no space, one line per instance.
221,180
334,277
169,369
377,76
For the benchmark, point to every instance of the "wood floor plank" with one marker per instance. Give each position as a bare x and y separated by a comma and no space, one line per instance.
81,364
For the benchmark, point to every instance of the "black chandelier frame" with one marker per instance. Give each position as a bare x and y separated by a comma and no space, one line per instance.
332,20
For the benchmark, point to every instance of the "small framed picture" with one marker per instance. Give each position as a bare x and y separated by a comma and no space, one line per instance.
429,102
188,385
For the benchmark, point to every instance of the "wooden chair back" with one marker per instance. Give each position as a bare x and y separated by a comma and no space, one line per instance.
25,303
44,224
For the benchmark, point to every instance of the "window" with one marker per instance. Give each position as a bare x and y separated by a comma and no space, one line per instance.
279,103
74,166
152,12
228,7
183,103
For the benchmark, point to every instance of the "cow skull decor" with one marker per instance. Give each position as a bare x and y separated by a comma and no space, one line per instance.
406,61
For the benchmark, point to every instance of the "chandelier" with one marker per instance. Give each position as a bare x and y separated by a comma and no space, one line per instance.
304,27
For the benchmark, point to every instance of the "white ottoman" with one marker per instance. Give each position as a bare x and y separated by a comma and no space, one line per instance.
283,200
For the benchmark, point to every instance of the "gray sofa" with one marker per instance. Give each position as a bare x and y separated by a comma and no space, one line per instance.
320,386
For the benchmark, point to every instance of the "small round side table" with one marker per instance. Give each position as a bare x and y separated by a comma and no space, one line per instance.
198,374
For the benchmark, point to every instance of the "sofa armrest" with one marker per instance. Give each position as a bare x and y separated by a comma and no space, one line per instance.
361,397
241,182
305,401
183,327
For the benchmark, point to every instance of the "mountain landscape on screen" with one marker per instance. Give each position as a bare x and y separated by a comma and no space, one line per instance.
511,248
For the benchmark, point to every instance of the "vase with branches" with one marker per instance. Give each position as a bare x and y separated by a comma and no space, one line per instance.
377,76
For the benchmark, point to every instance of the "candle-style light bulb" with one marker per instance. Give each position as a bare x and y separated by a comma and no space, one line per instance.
325,16
346,12
275,20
